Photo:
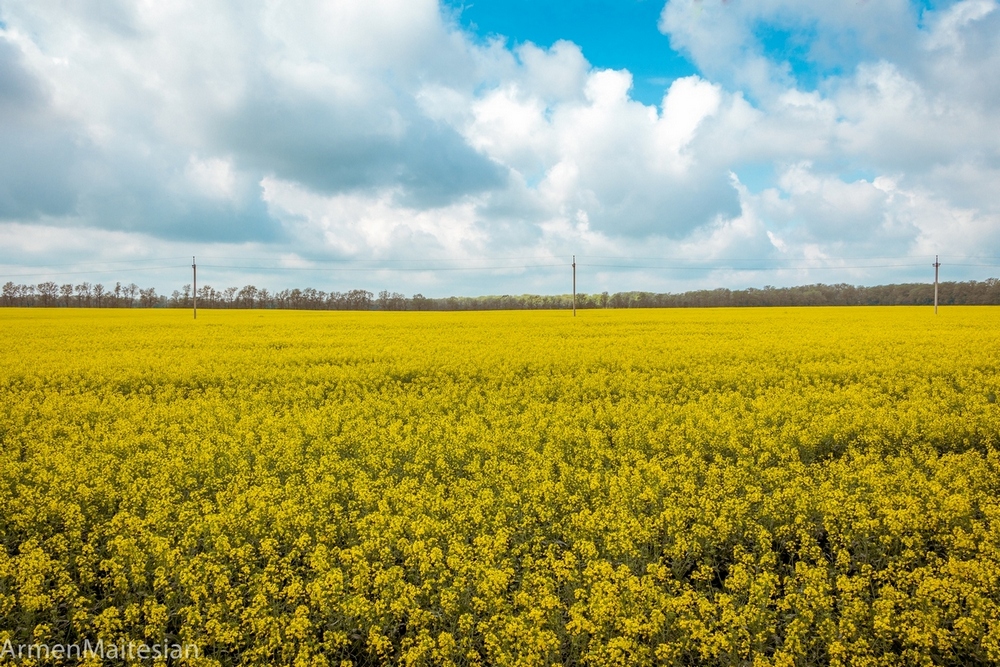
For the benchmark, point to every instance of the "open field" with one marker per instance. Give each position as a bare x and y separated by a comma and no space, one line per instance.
719,487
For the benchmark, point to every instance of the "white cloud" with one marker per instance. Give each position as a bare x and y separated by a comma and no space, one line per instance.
213,177
687,103
377,129
556,74
947,28
624,164
824,208
375,225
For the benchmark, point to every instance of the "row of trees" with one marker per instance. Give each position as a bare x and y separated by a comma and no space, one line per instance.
83,295
972,292
86,295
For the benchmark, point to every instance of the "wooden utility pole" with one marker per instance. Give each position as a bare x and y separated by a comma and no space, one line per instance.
194,292
936,265
574,285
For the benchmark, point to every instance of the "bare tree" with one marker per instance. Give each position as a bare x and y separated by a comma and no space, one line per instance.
48,291
147,297
359,299
247,296
130,293
83,294
207,296
10,293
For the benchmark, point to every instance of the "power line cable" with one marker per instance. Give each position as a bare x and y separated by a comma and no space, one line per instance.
87,273
744,259
503,267
753,268
349,260
375,268
102,263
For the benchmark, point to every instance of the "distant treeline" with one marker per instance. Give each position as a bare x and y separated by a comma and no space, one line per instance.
87,295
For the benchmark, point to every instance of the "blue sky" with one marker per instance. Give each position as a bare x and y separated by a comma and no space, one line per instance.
615,34
473,148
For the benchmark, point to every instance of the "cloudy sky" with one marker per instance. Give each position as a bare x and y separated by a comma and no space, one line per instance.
450,148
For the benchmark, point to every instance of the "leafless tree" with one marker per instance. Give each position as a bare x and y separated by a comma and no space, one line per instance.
83,294
48,291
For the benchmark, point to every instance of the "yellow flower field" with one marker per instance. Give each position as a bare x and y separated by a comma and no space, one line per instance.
677,487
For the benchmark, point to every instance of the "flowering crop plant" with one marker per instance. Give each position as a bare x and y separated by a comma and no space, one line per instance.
812,486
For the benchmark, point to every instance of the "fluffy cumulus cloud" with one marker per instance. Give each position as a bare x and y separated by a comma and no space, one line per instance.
899,93
379,131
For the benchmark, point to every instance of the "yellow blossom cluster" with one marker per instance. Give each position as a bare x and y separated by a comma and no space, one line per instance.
649,487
